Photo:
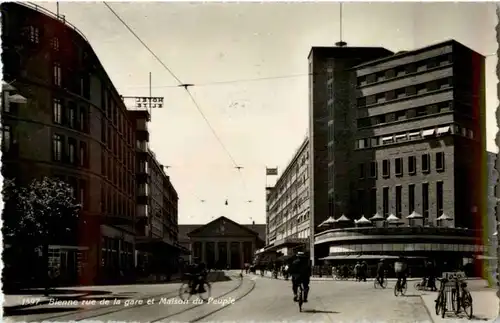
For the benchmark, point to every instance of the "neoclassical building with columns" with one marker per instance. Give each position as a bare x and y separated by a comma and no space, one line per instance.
223,242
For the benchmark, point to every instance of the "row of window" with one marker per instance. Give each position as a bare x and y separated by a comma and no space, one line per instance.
405,92
115,203
371,202
117,146
375,142
371,170
408,114
75,82
116,173
71,115
116,117
79,189
68,150
406,69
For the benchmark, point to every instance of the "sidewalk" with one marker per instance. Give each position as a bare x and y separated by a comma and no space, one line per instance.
328,278
484,303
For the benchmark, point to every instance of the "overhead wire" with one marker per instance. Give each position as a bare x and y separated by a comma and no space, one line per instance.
185,86
257,79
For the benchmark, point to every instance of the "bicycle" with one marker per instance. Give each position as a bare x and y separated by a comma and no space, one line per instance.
376,283
300,297
461,298
400,289
188,289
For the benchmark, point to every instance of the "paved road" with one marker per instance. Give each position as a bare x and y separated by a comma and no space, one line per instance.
339,301
255,299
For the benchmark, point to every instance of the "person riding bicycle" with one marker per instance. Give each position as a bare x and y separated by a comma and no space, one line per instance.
401,270
381,267
300,270
198,275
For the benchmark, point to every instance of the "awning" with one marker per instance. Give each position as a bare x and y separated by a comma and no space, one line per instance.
340,257
387,139
443,130
428,132
414,134
401,137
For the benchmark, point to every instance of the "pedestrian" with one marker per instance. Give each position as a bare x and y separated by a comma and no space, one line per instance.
364,270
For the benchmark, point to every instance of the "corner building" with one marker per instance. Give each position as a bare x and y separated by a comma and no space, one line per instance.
74,126
287,208
419,145
331,127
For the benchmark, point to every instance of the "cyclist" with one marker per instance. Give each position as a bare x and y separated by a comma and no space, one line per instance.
300,270
401,270
198,275
381,272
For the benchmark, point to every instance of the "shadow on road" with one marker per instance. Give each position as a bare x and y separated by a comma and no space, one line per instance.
319,311
32,311
412,295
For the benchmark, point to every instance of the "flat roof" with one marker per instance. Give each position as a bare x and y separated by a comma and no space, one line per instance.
413,52
345,51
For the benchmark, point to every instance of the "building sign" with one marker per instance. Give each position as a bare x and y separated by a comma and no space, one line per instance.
271,171
149,102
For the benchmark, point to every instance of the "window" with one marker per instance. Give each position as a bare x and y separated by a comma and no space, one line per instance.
361,201
385,197
57,74
386,168
412,165
410,90
411,198
373,201
425,200
432,86
57,145
399,167
82,195
83,119
57,111
71,114
34,34
371,99
71,150
399,209
440,161
6,138
373,169
426,163
362,143
55,43
439,198
361,170
83,153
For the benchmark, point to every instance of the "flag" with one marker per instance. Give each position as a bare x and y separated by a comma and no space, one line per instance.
271,171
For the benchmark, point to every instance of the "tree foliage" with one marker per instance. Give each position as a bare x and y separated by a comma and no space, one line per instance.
43,209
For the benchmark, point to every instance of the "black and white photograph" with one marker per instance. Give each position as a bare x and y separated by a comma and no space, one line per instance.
209,161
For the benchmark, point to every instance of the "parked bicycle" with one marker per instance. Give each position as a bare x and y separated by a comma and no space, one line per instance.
455,291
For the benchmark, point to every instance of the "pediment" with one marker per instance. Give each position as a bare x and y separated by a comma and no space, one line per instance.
222,227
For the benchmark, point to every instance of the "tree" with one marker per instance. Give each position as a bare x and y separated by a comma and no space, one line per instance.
35,214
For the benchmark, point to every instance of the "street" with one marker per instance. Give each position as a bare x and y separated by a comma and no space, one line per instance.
253,298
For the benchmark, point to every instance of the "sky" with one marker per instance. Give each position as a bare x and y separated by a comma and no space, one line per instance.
249,62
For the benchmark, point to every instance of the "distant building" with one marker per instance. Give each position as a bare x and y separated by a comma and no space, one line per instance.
287,206
223,242
407,136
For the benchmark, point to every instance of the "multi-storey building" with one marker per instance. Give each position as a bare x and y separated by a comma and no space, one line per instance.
331,91
287,206
417,132
156,217
74,126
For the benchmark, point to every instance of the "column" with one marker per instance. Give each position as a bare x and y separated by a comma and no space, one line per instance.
242,255
204,251
190,252
228,252
252,251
